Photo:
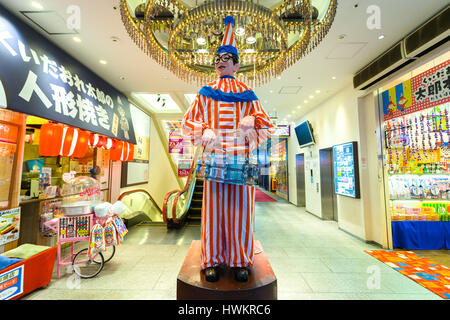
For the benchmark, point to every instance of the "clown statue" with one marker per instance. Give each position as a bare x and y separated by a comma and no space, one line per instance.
228,209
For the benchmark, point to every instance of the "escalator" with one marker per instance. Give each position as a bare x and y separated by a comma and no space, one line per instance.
183,207
141,208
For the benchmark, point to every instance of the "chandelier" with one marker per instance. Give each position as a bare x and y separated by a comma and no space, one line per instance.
271,35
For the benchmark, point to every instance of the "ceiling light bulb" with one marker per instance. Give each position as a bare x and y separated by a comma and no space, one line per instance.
334,78
317,91
201,41
298,107
37,5
381,37
251,40
103,62
240,31
76,39
305,101
271,91
311,97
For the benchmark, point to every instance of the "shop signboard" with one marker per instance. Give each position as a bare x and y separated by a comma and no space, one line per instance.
282,130
175,142
9,225
184,168
346,169
428,89
40,79
11,283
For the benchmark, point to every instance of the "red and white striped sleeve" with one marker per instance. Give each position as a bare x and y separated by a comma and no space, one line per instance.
193,122
263,125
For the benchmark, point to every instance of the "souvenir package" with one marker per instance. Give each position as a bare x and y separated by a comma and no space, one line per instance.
120,226
97,239
110,234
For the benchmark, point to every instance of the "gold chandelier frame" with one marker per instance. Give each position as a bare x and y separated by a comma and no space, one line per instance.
257,66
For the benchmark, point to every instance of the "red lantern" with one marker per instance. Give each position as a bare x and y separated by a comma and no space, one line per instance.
82,144
101,142
74,143
93,139
131,153
109,143
116,151
50,139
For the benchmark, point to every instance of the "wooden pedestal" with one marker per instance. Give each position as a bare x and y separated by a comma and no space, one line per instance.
191,283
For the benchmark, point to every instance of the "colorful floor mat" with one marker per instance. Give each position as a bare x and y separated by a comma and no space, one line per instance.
433,276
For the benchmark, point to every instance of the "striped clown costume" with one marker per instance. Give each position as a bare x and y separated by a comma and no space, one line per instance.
228,210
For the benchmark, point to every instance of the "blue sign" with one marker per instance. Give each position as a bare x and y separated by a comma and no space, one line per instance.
11,283
346,169
40,79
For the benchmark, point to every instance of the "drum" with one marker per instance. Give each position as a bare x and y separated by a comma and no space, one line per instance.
227,168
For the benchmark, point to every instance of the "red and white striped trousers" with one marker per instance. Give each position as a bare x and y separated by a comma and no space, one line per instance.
228,215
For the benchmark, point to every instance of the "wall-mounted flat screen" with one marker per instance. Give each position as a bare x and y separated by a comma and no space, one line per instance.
304,134
346,169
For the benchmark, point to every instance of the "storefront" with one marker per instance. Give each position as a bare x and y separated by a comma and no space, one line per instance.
415,122
58,121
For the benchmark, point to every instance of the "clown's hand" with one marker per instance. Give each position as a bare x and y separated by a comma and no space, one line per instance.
208,137
246,124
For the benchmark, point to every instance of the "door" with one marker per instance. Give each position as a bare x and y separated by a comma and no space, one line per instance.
300,172
328,197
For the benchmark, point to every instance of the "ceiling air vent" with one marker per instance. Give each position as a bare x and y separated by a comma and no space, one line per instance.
432,32
427,37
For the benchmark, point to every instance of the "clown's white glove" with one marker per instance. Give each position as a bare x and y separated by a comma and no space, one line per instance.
208,137
246,124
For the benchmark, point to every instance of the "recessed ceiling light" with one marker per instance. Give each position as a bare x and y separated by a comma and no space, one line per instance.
103,62
293,111
334,78
298,107
37,5
76,39
311,97
251,40
122,78
240,31
317,91
381,37
305,101
288,115
279,77
201,41
271,91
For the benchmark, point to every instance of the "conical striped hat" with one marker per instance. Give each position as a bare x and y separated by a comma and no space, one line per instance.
228,42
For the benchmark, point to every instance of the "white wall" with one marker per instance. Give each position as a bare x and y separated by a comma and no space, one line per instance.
335,121
161,176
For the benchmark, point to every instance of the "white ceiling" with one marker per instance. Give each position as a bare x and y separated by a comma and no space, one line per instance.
130,70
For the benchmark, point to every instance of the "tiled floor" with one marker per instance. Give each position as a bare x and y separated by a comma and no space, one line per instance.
311,258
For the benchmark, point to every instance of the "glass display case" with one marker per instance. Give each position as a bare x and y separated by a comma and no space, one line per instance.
80,195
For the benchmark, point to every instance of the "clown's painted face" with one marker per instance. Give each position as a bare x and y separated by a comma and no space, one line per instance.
225,65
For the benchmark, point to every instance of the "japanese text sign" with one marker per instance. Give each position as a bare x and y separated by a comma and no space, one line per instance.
38,78
428,89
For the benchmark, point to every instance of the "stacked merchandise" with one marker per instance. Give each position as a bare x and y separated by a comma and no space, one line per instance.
417,162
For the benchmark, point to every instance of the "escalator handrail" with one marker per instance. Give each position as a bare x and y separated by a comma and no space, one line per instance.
164,207
186,186
144,191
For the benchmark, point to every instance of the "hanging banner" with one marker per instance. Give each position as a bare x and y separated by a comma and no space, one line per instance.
40,79
428,89
184,168
175,142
